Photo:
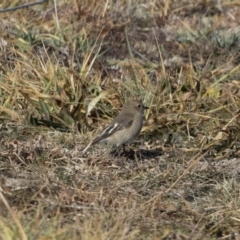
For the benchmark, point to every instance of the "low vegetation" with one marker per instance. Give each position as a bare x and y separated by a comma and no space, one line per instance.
66,68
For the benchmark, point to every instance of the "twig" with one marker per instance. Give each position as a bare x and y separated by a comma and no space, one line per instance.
22,6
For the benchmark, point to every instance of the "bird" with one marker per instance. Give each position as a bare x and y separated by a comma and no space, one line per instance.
124,128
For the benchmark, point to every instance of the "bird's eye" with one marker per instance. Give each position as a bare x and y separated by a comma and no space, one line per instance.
139,105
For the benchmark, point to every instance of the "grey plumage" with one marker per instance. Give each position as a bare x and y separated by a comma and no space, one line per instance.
125,127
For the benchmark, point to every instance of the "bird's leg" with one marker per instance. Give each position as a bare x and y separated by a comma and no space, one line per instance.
115,151
124,150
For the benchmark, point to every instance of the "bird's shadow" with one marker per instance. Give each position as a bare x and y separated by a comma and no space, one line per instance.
140,154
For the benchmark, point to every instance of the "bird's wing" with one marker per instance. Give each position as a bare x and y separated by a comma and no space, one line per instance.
115,126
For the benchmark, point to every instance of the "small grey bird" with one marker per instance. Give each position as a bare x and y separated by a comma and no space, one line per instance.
125,127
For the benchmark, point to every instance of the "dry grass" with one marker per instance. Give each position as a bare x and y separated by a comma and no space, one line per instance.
66,67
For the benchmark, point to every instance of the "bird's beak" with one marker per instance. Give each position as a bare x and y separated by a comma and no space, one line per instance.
145,107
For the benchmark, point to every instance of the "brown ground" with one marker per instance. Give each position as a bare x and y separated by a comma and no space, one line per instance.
64,75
